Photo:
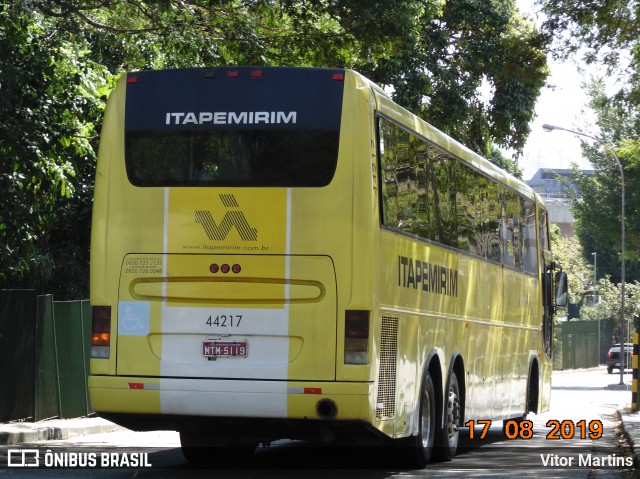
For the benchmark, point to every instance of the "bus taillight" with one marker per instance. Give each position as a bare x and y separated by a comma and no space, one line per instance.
101,332
356,337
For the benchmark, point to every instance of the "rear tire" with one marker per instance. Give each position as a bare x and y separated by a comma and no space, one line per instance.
446,438
417,450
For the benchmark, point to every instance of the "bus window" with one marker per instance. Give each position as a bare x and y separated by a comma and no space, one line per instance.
232,158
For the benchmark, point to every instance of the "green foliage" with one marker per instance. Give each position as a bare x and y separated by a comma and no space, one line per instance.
507,164
568,253
49,103
436,56
470,46
601,29
606,33
598,228
609,304
472,68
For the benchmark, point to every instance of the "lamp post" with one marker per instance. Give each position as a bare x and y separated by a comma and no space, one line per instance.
595,296
622,251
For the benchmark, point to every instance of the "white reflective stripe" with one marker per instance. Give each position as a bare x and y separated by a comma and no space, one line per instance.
224,398
266,331
165,240
287,269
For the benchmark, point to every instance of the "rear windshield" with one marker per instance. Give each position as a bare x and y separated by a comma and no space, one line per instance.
208,127
232,158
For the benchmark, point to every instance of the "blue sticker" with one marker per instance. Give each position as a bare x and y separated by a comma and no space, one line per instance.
133,318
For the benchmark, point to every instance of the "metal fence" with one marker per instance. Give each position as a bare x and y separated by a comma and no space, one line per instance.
44,357
584,344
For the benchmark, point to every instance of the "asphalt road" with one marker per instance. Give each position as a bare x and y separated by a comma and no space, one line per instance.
576,439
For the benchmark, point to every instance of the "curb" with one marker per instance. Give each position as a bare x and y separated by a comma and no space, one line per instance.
58,429
628,431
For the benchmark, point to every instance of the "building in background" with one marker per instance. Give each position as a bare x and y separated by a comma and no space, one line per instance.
551,184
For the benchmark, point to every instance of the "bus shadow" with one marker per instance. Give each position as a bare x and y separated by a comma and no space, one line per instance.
308,455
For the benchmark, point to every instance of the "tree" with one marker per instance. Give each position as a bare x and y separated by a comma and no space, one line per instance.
507,164
606,33
59,59
568,253
435,57
49,97
601,30
598,229
452,56
608,306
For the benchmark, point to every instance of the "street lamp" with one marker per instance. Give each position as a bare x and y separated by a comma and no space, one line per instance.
622,252
595,296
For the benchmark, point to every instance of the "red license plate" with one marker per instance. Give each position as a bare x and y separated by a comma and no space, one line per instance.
224,349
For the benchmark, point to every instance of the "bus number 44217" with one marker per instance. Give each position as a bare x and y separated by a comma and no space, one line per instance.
224,321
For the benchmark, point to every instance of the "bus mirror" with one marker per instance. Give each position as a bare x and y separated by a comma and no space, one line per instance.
561,290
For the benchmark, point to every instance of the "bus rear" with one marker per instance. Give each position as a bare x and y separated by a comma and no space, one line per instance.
223,242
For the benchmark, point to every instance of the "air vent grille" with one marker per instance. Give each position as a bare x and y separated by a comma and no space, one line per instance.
386,400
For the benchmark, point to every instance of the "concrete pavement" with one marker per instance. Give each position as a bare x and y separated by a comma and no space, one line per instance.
630,430
26,432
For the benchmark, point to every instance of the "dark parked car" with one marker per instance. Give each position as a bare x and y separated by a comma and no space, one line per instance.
613,357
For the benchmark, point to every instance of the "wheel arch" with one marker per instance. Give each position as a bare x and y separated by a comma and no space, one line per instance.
533,386
456,365
433,367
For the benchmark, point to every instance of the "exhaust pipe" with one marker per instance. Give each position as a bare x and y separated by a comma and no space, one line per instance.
327,409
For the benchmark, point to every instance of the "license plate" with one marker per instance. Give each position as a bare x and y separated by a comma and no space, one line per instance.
224,349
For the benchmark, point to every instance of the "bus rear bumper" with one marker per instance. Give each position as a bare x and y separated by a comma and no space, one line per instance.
224,398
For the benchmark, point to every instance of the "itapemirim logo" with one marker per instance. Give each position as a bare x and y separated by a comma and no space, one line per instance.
232,217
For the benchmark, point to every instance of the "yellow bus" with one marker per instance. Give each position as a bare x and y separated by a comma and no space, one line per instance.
286,253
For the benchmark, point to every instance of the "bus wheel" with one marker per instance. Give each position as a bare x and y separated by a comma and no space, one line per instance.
446,439
427,422
415,451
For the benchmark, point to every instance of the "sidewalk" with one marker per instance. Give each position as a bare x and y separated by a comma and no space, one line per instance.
25,432
630,430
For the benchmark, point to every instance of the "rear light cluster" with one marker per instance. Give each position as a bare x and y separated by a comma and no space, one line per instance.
336,76
234,74
101,332
356,337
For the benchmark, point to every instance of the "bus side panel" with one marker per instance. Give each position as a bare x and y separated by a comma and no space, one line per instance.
419,288
481,310
519,342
